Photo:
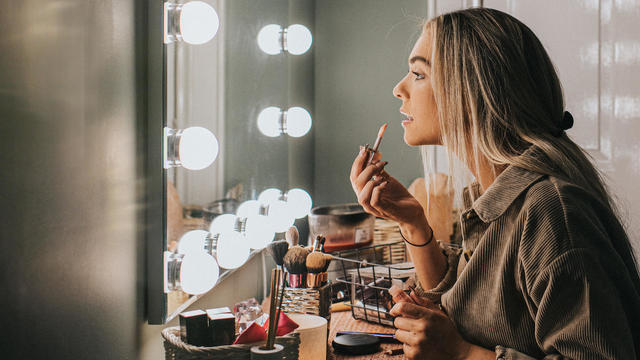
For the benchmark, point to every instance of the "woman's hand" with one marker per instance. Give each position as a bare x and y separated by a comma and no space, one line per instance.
382,195
427,332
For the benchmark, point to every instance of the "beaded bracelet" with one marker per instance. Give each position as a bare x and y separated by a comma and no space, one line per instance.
414,245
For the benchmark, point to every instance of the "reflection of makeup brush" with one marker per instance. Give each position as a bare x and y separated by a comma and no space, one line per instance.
376,145
292,236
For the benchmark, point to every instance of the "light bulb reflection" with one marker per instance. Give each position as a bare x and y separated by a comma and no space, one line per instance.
299,202
232,250
280,216
198,148
199,22
269,195
223,224
298,121
199,272
269,121
258,231
192,241
248,208
270,39
299,39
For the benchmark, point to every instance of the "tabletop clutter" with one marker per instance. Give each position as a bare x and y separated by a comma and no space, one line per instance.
303,295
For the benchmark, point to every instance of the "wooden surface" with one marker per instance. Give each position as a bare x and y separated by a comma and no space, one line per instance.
343,321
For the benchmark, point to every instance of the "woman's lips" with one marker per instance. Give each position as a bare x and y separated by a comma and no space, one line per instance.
407,121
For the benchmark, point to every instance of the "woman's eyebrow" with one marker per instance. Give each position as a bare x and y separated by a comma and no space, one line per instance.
419,58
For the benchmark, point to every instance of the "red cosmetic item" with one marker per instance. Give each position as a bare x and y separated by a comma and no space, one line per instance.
285,325
254,333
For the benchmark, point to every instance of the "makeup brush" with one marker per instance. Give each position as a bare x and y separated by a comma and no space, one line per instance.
276,274
317,264
277,250
376,145
292,236
295,262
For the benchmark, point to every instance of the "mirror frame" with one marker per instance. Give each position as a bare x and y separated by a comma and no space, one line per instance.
155,177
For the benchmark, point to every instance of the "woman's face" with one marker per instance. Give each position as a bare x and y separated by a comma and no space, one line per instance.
421,126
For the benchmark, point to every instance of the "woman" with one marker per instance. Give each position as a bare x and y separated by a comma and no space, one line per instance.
547,270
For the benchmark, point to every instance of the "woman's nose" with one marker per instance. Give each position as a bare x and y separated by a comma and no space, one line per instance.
398,90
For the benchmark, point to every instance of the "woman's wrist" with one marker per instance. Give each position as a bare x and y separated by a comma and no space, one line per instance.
416,229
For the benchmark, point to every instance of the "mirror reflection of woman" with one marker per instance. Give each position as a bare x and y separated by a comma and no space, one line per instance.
546,270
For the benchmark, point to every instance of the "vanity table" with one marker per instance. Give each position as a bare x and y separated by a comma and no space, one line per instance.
343,321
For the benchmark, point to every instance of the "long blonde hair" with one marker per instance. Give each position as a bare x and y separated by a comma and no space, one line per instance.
497,94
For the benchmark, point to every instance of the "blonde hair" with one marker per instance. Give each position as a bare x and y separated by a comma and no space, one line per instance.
498,94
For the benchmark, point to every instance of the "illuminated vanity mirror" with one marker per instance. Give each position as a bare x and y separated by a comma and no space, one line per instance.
255,88
236,139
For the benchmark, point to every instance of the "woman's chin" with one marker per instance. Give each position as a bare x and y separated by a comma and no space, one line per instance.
419,140
409,140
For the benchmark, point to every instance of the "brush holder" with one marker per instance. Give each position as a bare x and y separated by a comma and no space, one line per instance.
260,353
308,301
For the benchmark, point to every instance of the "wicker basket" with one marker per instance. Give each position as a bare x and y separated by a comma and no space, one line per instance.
176,349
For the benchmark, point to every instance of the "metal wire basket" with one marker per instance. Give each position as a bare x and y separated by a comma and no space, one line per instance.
367,274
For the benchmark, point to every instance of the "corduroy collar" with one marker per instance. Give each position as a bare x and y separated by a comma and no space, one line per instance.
504,190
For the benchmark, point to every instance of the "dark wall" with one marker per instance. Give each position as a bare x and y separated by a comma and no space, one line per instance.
71,184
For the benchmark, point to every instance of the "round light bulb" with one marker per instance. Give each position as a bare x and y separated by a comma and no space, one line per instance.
192,241
258,231
269,195
199,272
269,39
299,39
248,208
298,121
198,148
232,250
199,22
223,224
280,216
299,202
269,121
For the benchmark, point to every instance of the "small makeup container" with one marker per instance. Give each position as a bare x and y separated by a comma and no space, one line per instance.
194,328
221,326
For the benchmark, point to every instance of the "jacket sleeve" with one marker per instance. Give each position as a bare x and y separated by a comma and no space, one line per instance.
452,252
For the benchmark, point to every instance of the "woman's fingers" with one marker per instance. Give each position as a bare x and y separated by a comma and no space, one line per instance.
407,324
376,194
364,197
357,166
368,173
409,309
406,337
398,295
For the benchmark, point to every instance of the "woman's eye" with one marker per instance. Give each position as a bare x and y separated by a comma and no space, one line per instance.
418,75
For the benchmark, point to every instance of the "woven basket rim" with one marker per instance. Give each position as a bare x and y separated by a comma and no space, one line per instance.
171,334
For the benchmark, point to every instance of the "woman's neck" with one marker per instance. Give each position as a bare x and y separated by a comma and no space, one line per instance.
485,172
